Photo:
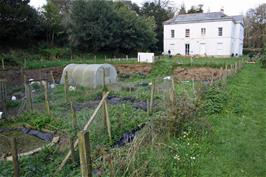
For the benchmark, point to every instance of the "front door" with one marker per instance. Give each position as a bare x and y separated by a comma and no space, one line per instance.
187,48
202,49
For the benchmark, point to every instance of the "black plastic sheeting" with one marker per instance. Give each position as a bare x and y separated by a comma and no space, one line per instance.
127,137
136,103
39,134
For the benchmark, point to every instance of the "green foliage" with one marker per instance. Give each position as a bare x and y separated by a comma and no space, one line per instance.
263,57
160,15
214,100
103,25
19,23
55,53
52,21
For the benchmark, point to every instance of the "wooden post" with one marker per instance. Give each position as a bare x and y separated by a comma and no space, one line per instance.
84,129
28,97
3,96
95,58
74,117
126,57
72,149
3,64
14,152
40,75
221,72
152,96
105,58
106,119
47,107
148,107
52,77
84,154
66,86
212,77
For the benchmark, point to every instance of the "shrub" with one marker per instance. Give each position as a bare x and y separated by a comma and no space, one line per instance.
263,58
55,53
214,100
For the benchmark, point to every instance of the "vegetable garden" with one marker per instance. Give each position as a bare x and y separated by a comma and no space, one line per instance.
124,120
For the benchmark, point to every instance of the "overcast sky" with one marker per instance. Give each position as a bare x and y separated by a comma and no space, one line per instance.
231,7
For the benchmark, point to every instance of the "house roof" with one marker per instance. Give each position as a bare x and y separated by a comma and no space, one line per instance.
203,17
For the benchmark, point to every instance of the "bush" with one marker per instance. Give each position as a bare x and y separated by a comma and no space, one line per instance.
55,53
263,58
214,100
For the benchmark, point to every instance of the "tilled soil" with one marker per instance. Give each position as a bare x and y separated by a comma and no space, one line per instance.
200,74
133,68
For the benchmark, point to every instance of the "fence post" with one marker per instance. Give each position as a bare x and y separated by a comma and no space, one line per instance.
212,77
106,119
52,77
74,117
148,107
66,86
85,154
3,64
14,152
72,149
152,96
47,107
105,58
3,96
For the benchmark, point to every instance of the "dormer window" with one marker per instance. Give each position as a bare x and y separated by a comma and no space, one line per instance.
220,31
187,33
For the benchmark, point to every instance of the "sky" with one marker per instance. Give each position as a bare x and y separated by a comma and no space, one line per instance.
231,7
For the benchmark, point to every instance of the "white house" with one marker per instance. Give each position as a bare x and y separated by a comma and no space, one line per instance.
210,34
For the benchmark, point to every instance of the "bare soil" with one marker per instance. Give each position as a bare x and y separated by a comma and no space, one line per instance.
133,68
200,74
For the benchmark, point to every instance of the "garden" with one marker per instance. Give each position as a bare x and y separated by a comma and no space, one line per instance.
129,122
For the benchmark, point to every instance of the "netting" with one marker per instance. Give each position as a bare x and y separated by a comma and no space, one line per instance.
92,76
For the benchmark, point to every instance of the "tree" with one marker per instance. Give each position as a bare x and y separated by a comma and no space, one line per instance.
182,10
52,19
195,9
104,25
160,15
20,24
255,27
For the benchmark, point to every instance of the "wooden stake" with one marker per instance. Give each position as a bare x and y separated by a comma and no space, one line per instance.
152,96
3,96
72,149
66,86
85,154
107,122
52,77
14,152
84,129
95,58
74,117
3,64
47,107
148,106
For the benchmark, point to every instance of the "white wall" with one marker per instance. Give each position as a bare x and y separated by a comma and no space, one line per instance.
226,43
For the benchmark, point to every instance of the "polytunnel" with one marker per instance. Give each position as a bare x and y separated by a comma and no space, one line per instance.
89,75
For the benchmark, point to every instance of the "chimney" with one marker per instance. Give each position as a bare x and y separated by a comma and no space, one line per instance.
222,9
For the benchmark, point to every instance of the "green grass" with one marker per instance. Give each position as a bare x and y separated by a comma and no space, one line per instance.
236,146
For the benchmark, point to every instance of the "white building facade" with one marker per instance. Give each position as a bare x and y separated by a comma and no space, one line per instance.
204,34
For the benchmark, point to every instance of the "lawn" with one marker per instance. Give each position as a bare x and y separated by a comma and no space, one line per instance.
236,146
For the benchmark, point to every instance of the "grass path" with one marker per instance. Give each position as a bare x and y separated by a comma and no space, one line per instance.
237,145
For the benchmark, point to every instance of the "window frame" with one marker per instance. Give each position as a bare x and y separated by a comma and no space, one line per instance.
187,33
220,31
172,33
203,31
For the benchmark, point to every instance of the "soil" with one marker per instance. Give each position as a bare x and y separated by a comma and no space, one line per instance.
133,68
15,78
25,142
198,74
